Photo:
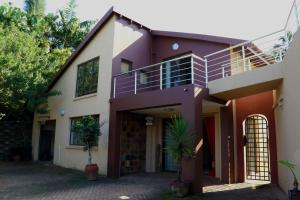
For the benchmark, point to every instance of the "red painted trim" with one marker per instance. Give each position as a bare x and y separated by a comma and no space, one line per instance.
256,104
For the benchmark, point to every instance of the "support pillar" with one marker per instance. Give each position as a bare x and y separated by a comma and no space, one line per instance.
193,168
113,167
227,144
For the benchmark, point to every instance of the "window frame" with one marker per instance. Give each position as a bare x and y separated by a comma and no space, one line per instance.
70,132
77,76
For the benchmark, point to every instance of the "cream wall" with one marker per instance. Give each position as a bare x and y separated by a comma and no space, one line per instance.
237,64
73,156
287,112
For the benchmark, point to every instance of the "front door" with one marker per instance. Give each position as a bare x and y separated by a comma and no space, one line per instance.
168,163
257,148
46,144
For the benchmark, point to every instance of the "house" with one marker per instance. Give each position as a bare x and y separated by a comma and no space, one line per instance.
236,95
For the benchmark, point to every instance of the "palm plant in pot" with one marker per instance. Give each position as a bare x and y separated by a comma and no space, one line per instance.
294,193
88,129
179,144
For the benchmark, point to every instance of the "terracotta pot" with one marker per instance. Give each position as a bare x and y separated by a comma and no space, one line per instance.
180,188
91,172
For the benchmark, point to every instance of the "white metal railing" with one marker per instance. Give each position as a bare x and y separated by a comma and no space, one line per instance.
192,69
187,69
262,51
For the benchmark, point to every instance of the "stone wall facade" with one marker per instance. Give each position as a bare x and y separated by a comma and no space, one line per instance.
133,143
15,136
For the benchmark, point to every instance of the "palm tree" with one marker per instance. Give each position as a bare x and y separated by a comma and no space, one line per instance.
67,30
179,142
35,7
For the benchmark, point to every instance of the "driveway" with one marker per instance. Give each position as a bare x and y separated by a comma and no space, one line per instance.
41,182
29,181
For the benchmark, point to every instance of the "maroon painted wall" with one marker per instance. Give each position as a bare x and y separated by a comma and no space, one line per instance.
227,144
162,47
139,52
256,104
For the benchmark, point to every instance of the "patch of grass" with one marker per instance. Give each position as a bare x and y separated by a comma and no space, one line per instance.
169,196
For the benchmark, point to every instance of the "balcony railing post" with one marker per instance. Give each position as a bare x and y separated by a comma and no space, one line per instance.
206,73
223,72
249,64
244,58
280,55
192,69
135,81
160,76
115,81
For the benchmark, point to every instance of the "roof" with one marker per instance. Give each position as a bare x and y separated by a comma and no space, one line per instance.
111,12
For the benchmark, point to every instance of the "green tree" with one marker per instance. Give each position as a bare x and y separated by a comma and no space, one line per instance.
88,129
26,66
67,30
32,50
35,7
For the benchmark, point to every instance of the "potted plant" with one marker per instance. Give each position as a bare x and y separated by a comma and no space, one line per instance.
179,144
88,129
294,193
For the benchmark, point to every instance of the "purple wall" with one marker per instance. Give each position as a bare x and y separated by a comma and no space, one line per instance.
138,52
162,47
151,48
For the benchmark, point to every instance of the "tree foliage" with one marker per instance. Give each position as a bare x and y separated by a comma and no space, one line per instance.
88,129
35,7
32,50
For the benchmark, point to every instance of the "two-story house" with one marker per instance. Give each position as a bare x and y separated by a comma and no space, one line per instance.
136,79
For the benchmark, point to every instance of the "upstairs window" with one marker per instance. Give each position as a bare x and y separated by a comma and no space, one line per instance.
126,66
87,77
75,138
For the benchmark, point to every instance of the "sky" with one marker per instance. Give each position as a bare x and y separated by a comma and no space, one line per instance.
244,19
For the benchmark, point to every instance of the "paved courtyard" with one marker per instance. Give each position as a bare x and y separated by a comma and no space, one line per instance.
21,181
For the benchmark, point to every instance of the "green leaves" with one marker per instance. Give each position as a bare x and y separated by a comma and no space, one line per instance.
33,47
179,140
287,164
26,67
88,130
35,7
291,167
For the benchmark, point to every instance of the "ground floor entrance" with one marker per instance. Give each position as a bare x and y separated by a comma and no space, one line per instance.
46,141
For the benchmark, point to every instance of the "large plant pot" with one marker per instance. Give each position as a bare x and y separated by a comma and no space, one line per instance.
180,188
91,172
294,195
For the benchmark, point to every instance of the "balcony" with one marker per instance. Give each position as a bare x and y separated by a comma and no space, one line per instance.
213,71
184,70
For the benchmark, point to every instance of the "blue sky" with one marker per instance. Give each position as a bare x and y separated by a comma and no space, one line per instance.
244,19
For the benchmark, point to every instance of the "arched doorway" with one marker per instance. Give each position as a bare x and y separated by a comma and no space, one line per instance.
256,139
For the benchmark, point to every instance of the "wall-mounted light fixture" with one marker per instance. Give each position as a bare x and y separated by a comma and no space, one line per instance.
149,121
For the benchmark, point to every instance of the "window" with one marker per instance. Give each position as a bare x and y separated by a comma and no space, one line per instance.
74,137
143,77
87,77
126,66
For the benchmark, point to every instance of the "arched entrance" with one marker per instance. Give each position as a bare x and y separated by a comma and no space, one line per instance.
256,139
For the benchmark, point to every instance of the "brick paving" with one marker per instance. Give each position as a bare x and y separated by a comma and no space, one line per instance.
26,181
40,182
